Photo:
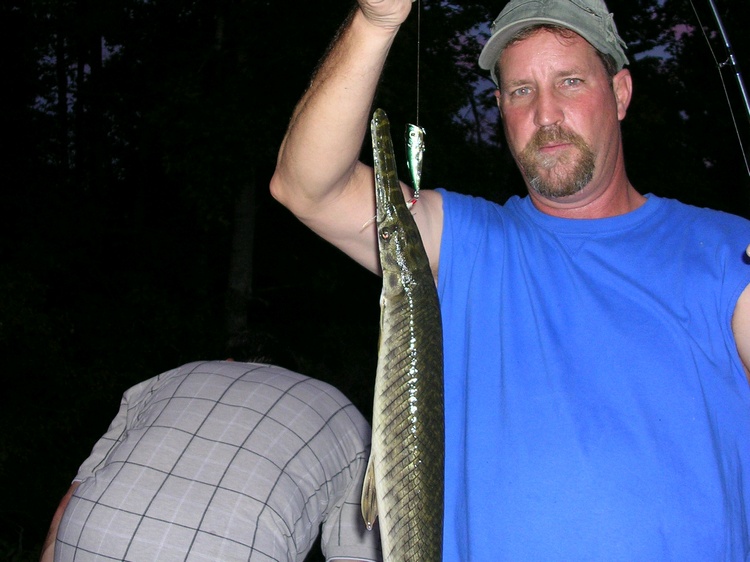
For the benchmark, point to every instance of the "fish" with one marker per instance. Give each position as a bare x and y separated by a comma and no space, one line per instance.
403,487
415,146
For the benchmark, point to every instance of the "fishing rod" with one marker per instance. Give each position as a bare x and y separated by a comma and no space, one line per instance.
731,60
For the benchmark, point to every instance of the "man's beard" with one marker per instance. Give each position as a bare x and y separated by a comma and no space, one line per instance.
557,175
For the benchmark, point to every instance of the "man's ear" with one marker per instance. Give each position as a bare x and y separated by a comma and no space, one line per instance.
497,100
622,84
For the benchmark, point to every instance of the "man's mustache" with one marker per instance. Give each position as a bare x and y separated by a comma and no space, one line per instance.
553,134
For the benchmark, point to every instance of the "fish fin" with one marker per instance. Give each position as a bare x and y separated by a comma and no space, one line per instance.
369,500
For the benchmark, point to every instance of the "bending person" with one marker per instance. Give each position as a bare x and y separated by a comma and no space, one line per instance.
221,461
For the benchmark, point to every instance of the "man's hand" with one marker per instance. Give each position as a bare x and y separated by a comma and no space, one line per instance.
388,14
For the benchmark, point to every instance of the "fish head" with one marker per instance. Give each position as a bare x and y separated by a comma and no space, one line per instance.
399,241
400,246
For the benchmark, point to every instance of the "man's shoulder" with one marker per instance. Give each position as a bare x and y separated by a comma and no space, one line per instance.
458,206
704,221
675,207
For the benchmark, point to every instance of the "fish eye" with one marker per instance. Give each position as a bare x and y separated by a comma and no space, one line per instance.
385,233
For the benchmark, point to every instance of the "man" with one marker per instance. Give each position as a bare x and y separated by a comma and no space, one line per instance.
597,341
221,461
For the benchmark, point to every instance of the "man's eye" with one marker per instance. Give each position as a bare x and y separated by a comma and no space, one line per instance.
520,92
572,81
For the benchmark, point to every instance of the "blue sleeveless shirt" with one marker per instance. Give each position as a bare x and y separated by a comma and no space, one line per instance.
596,405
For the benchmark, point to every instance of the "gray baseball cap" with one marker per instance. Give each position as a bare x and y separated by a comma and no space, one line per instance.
588,18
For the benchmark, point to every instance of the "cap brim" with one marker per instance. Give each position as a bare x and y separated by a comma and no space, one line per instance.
495,45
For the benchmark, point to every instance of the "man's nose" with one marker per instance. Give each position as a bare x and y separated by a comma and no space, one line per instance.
548,110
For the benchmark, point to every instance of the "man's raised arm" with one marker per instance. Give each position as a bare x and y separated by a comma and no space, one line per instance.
318,175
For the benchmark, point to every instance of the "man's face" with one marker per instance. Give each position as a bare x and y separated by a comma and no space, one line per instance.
561,115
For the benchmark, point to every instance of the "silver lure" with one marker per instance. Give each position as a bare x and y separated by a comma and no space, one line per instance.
414,156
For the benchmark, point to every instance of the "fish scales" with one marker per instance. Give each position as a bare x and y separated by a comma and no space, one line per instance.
404,483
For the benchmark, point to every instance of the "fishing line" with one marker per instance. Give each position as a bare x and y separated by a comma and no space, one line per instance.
719,65
419,51
415,134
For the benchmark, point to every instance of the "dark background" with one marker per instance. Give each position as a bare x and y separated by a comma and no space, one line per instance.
137,233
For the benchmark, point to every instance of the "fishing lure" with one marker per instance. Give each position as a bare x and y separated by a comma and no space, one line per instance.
414,157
